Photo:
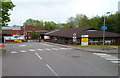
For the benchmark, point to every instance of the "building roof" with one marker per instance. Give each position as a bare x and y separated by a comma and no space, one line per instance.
22,30
34,28
51,32
11,28
92,32
10,32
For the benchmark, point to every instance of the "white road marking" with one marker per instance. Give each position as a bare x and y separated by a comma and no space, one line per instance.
115,61
40,49
55,49
13,52
52,70
47,45
22,45
47,49
31,50
105,55
108,56
38,56
99,54
112,59
23,51
63,48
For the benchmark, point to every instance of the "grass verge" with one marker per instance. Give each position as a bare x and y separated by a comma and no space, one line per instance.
98,46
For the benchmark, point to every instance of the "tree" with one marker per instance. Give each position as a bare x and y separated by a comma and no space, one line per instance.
118,22
112,22
81,20
50,25
71,22
39,23
33,23
6,6
95,22
35,35
29,22
64,26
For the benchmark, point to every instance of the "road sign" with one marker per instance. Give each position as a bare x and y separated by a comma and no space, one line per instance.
15,36
74,40
84,40
74,34
74,37
84,36
104,28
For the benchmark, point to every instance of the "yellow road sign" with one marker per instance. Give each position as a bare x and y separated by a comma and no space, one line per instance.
84,39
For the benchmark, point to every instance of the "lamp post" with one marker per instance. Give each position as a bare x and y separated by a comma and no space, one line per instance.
104,28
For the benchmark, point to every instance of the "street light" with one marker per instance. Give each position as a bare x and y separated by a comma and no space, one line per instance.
104,28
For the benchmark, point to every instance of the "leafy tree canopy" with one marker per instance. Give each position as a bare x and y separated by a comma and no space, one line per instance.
80,20
5,7
49,25
35,35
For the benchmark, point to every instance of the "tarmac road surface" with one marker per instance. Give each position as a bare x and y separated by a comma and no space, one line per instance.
42,59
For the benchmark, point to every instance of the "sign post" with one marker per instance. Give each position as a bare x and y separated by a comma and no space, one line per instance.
74,38
104,28
84,40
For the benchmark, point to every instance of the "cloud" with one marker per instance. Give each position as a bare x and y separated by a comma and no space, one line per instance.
49,10
58,10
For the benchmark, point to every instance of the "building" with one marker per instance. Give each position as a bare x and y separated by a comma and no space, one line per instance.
9,31
22,31
29,29
65,36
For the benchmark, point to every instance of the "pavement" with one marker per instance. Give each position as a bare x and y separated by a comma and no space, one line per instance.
47,59
111,50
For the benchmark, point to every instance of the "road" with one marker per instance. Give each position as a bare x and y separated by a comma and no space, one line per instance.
43,59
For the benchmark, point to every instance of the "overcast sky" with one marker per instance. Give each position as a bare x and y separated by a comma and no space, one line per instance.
59,10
